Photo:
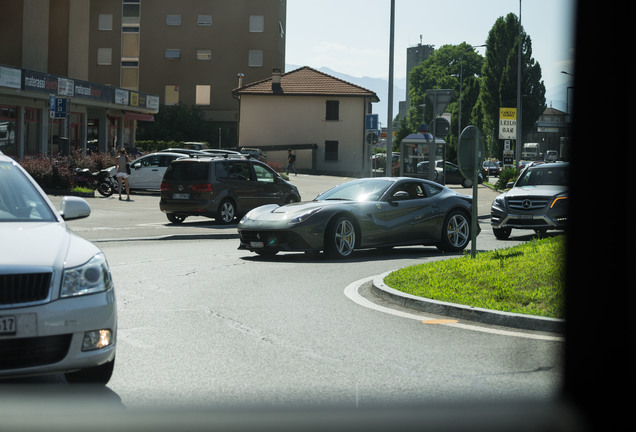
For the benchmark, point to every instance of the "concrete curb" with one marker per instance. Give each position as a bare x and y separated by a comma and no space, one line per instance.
485,316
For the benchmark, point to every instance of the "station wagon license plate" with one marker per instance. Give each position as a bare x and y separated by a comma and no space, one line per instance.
7,325
180,196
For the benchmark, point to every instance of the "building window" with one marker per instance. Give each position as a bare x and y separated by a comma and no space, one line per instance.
257,23
203,95
331,150
104,56
204,54
173,54
173,20
130,13
130,78
171,95
105,22
130,45
204,20
333,110
255,58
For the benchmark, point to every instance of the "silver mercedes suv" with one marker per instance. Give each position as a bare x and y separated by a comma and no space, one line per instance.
537,201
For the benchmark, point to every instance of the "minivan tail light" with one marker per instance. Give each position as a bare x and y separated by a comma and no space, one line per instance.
204,187
164,186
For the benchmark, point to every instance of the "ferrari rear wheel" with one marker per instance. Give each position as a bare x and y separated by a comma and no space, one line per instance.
340,238
455,232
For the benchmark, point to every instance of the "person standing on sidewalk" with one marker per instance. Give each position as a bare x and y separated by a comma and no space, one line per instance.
291,160
123,171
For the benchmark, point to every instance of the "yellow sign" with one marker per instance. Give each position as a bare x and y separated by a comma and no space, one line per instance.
507,123
508,113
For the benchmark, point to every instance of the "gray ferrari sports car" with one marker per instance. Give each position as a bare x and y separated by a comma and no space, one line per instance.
364,213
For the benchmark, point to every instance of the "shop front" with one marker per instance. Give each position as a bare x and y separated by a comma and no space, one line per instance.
94,117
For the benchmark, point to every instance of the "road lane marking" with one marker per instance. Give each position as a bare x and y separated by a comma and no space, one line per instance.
351,291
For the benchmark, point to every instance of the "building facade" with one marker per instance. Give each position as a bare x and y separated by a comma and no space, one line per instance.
147,53
319,117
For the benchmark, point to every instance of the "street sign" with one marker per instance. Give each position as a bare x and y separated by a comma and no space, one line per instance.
371,121
507,123
57,107
470,151
372,138
442,127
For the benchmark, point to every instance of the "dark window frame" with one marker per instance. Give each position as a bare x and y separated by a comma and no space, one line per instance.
332,110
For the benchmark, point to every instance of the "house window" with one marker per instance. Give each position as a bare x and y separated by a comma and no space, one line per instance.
333,110
105,22
173,20
203,95
171,94
104,56
257,23
173,54
255,58
331,150
204,54
204,20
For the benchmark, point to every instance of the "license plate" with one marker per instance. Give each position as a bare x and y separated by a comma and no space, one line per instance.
7,325
180,196
256,244
525,216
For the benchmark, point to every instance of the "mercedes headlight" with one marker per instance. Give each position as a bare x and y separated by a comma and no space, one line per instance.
89,278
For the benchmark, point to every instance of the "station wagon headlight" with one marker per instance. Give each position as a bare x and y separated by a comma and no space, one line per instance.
89,278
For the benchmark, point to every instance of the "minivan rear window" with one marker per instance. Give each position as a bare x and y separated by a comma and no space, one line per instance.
188,171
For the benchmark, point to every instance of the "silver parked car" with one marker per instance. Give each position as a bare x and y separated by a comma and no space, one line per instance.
147,171
537,201
57,303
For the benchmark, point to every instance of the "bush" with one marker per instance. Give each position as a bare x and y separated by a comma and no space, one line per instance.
58,173
55,174
506,176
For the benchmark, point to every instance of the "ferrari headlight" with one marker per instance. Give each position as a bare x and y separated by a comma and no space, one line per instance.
303,217
89,278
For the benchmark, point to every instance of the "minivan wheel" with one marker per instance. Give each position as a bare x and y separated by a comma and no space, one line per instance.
227,212
176,219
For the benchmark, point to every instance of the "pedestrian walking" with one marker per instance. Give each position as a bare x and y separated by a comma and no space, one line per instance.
123,171
291,160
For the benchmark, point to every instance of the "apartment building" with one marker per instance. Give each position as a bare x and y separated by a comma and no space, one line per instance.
133,56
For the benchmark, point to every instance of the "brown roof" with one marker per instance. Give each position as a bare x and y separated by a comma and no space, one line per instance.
306,81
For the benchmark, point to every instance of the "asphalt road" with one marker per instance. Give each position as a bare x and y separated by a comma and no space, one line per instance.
141,218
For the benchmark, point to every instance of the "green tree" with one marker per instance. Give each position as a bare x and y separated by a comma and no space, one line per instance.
449,67
175,123
499,80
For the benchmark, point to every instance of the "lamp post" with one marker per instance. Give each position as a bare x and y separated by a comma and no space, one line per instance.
461,82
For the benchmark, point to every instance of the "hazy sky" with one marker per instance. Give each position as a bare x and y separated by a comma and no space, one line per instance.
352,36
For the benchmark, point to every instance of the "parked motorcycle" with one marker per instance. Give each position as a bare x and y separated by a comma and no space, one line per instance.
102,181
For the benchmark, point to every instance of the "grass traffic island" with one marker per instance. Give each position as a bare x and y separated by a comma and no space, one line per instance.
525,279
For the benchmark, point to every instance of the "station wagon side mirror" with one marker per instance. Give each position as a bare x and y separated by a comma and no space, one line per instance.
74,208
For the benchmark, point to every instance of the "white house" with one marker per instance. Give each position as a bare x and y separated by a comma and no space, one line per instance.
320,117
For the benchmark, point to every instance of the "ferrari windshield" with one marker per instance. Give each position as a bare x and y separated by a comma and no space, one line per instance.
19,200
358,190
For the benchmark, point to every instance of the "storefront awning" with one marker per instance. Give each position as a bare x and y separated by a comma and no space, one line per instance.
139,116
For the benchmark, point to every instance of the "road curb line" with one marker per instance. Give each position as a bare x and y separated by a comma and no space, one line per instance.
469,313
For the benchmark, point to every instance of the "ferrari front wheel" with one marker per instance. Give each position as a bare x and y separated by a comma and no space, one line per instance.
340,238
455,232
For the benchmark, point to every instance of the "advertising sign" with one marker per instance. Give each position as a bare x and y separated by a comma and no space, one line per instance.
507,123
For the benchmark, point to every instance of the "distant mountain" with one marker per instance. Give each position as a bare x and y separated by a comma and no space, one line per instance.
555,96
378,85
